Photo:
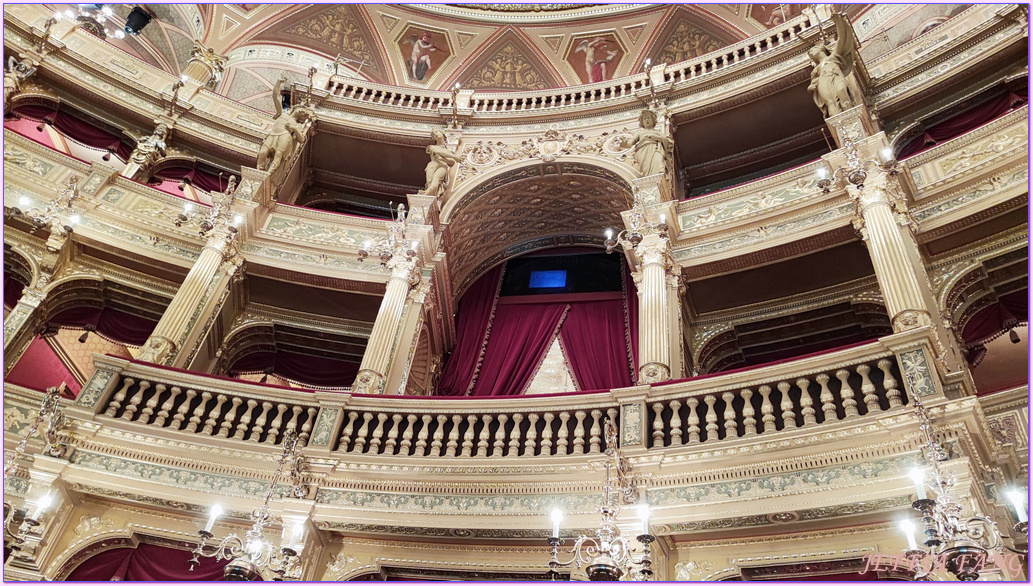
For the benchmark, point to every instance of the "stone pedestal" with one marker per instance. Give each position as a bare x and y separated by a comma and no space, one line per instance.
855,124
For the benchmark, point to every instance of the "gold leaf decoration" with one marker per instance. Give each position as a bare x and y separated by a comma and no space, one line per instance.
507,69
338,28
685,42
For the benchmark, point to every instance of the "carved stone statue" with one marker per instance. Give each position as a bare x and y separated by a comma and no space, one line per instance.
832,64
150,148
651,145
16,72
441,158
288,130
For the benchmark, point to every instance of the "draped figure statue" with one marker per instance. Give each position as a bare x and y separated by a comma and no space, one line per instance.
832,64
441,158
651,145
288,131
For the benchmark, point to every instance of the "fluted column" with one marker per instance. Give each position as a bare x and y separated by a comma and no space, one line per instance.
205,65
654,339
381,345
196,299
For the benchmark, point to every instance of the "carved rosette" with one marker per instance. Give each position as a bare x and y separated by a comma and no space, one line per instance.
910,319
653,372
158,350
368,382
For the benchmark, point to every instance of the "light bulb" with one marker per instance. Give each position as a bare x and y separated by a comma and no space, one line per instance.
663,218
918,476
909,531
643,513
74,219
120,35
238,220
457,85
415,244
105,11
1018,501
648,61
44,502
822,173
69,15
24,201
367,244
557,518
212,516
255,547
187,208
886,154
609,233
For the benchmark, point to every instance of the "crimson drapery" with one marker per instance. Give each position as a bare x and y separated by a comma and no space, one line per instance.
40,367
13,289
595,344
146,563
28,128
475,313
520,337
198,178
79,130
113,324
964,122
303,368
988,323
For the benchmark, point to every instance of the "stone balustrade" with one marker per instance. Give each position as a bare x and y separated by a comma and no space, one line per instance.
839,387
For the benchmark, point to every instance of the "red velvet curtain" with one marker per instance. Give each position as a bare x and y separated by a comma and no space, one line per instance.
113,324
519,339
147,563
199,178
988,323
475,316
631,304
40,367
964,122
595,343
79,130
304,368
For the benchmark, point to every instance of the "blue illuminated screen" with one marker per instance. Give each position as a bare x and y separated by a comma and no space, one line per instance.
548,279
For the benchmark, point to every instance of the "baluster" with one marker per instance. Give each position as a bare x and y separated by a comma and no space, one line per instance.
148,408
213,415
471,423
806,402
828,402
767,410
292,422
847,394
195,417
120,396
731,427
485,435
889,383
360,437
306,428
404,447
453,436
274,427
181,412
594,438
378,435
579,432
259,426
547,434
499,446
693,402
514,436
675,422
439,435
749,422
788,413
134,402
245,419
231,415
346,434
531,440
421,438
711,418
871,400
658,425
392,435
561,438
163,414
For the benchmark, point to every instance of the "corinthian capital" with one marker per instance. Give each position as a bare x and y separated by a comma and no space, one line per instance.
653,250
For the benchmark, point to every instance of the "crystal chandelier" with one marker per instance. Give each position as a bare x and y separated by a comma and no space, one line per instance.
608,555
251,555
217,215
394,244
963,544
94,19
640,227
50,411
856,170
53,210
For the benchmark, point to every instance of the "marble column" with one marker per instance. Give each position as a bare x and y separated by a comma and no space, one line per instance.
205,65
198,299
411,325
380,349
654,335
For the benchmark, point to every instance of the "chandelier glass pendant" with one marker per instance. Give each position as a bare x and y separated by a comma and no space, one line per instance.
59,211
394,244
607,555
251,555
640,227
963,545
217,215
94,19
